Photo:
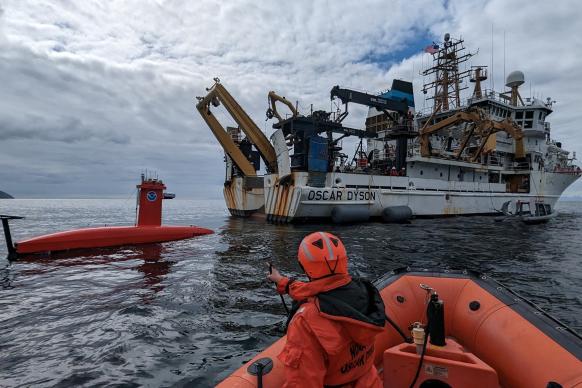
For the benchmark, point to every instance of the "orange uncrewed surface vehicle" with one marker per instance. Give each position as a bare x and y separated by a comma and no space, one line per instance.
148,229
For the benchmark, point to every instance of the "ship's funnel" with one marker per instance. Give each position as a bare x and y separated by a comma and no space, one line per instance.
151,194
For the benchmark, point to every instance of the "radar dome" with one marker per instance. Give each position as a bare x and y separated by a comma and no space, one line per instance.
515,78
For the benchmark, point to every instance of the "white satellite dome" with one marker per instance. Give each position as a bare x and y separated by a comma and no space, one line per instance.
515,78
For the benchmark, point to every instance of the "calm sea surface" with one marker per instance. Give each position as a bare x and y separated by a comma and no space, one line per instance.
187,313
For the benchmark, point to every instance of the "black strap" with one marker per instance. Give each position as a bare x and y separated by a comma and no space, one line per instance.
406,339
288,285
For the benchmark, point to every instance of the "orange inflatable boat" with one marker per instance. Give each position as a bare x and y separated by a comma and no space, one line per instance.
489,337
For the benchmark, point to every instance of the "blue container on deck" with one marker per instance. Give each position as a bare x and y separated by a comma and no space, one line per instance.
317,158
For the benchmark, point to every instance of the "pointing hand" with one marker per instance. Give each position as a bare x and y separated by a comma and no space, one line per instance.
274,274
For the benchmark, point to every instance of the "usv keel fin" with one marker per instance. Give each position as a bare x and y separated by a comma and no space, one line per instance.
12,255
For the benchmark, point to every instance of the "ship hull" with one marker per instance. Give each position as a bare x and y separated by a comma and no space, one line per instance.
294,200
244,198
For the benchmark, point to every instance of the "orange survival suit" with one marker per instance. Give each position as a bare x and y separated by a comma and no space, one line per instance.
330,339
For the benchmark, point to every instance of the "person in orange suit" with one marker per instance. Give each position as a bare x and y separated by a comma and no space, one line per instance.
330,338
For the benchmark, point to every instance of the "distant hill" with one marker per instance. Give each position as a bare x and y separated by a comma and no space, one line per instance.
4,195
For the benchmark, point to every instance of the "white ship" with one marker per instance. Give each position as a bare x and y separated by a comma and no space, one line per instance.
463,157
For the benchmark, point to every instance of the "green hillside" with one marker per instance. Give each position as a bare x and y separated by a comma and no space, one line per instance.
4,195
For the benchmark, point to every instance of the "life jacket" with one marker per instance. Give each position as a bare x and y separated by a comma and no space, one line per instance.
344,320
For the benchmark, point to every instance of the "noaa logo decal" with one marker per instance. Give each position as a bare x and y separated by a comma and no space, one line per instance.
151,196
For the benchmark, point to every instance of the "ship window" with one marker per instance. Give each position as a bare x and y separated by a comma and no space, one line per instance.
420,172
519,115
441,174
540,116
527,124
529,114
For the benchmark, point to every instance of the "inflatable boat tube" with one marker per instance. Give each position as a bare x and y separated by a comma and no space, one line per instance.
494,338
349,214
396,214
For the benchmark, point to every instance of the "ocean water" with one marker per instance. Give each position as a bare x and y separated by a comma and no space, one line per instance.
187,313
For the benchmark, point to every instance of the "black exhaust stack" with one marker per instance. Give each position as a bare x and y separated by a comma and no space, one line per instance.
12,255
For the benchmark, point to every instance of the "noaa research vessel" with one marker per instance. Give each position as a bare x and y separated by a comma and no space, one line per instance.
462,157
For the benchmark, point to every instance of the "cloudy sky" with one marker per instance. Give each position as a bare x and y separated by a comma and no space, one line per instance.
94,92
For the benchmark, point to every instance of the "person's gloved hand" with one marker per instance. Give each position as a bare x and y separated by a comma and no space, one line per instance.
274,274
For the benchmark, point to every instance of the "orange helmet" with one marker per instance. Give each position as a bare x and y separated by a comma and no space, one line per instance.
322,254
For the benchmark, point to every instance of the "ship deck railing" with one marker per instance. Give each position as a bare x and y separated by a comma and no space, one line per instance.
486,94
572,170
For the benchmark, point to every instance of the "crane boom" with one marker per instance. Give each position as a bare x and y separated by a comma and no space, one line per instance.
272,111
457,118
218,94
482,126
374,101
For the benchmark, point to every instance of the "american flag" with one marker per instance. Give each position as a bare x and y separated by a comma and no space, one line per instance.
431,48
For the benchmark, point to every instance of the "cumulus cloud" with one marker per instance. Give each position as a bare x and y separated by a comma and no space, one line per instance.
104,89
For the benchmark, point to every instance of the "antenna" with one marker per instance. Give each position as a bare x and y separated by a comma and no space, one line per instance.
492,76
504,54
449,78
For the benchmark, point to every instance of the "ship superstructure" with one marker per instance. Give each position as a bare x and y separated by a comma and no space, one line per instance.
461,157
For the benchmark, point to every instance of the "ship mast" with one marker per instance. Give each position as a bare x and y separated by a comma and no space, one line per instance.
448,80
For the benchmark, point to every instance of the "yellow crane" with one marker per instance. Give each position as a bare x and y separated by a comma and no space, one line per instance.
217,94
480,126
272,111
